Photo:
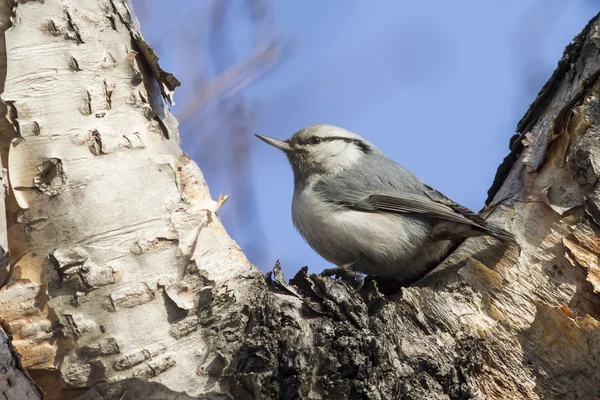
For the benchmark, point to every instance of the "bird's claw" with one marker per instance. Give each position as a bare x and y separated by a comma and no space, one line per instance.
345,273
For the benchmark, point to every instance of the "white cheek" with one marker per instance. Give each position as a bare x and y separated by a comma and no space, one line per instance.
338,155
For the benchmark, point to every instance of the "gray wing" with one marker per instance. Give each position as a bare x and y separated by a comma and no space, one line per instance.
430,204
379,184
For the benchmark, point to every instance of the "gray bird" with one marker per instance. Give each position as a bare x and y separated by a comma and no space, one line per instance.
360,210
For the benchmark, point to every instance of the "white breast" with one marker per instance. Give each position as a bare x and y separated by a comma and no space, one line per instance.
339,234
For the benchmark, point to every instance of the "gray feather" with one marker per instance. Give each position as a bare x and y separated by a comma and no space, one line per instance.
390,188
375,174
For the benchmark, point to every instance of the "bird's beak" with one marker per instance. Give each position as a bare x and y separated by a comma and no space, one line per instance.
279,144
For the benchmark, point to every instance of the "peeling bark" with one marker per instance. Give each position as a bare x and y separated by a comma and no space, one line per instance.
126,285
15,382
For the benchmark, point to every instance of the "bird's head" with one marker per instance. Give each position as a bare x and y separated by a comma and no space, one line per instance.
321,149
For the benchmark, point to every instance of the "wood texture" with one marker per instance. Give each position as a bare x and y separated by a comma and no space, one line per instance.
126,285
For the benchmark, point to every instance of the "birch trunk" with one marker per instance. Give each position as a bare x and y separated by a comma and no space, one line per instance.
124,285
121,271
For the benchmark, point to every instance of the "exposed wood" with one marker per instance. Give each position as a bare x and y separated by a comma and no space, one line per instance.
15,382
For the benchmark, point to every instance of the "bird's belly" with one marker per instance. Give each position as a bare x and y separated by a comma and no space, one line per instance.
385,242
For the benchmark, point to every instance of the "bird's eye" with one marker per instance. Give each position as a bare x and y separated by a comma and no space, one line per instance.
314,140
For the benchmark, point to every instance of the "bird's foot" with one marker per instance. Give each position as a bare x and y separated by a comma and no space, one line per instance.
346,273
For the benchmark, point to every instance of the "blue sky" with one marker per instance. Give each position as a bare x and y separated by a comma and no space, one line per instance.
438,86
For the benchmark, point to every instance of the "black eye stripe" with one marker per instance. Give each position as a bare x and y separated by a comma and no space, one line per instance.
361,145
316,140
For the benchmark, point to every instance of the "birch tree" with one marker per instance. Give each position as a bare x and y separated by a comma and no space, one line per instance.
123,284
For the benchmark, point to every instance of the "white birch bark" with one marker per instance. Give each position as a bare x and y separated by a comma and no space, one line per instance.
111,227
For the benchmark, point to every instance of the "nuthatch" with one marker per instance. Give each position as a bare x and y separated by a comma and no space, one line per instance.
360,210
